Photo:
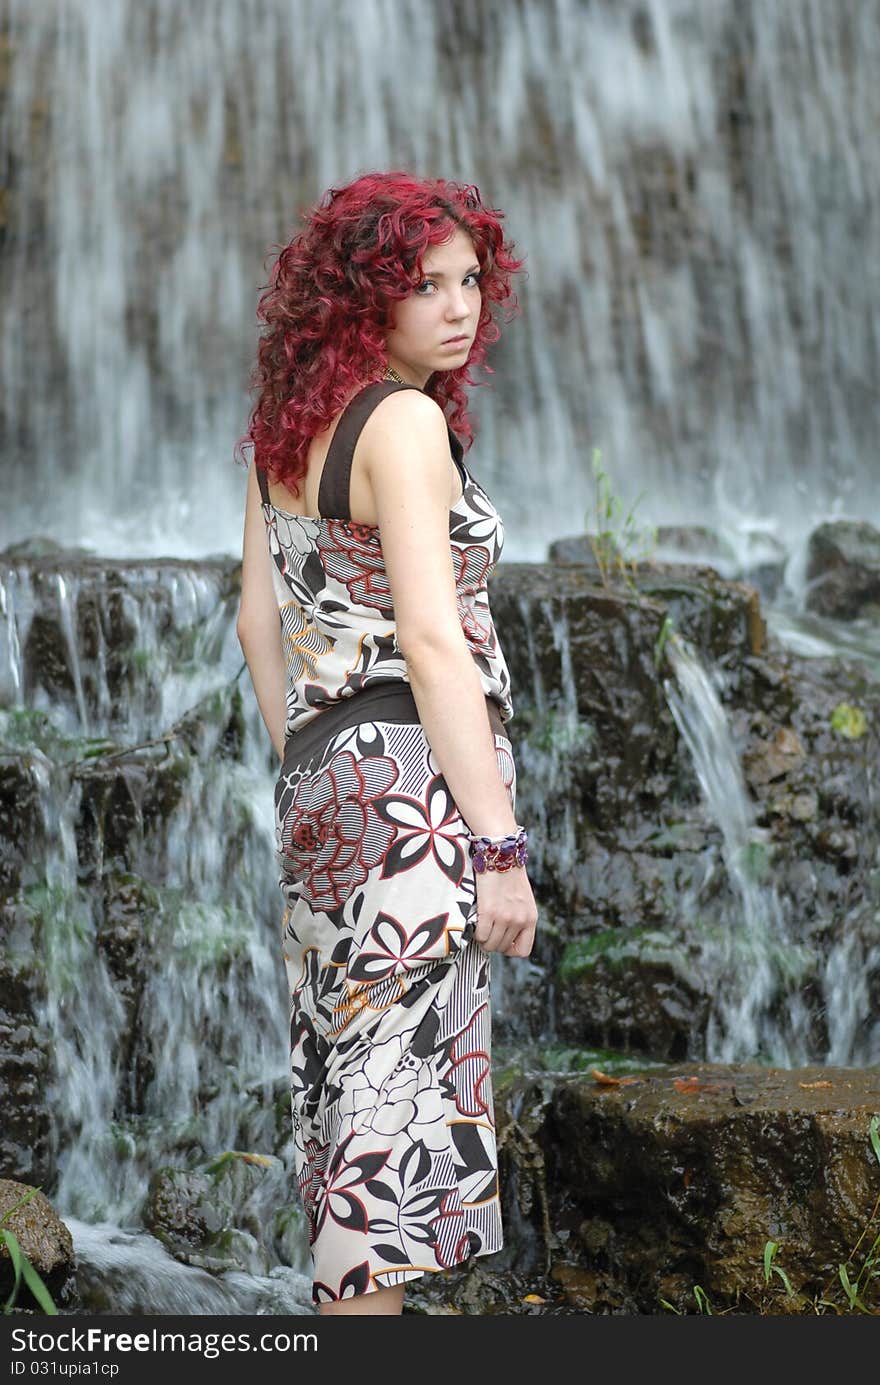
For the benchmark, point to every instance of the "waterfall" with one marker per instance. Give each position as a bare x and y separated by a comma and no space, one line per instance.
147,919
753,964
692,185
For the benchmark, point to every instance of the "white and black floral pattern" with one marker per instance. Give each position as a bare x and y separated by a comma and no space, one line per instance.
335,573
390,1022
390,1016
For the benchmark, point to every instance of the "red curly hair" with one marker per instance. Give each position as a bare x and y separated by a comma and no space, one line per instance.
330,302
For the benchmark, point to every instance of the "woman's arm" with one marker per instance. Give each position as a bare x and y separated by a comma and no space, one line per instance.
407,464
259,623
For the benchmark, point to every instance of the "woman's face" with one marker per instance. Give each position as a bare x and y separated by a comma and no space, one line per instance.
446,304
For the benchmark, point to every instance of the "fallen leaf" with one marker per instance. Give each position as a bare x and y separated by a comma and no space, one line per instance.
815,1084
693,1084
534,1298
604,1080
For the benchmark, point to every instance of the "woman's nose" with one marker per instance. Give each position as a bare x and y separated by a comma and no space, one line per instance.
457,305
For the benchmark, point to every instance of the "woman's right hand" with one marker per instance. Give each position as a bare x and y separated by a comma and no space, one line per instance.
507,914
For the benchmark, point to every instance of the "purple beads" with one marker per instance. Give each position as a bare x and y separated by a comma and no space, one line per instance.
499,853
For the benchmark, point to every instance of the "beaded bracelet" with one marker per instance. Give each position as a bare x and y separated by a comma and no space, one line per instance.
499,853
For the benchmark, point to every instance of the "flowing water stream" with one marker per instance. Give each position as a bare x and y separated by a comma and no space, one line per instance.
695,186
181,854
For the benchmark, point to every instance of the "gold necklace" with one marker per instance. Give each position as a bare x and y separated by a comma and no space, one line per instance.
391,374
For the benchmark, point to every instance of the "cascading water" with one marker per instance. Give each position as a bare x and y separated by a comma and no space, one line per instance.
752,962
158,948
693,883
692,185
134,881
690,188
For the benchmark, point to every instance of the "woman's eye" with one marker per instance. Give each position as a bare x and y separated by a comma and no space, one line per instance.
429,283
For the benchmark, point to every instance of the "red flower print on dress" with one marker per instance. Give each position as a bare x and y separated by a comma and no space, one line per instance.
352,555
470,1071
311,1180
435,825
338,1201
331,834
472,566
450,1248
476,622
362,533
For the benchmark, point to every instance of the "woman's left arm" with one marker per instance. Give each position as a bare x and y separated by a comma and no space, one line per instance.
259,623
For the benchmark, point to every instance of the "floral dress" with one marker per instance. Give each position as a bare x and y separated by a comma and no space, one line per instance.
390,1014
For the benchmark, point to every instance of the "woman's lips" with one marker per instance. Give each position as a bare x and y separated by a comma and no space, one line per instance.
455,341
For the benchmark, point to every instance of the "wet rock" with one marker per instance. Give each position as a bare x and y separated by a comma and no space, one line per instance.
39,547
198,727
718,615
44,1240
580,637
621,836
760,561
182,1209
24,1055
22,835
574,548
766,760
24,1069
125,798
695,541
626,1187
631,991
205,1216
125,936
843,570
680,1178
24,1045
98,637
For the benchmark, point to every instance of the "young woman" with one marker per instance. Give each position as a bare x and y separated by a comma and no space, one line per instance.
386,693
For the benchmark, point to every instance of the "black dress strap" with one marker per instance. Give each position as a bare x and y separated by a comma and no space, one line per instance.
263,483
333,492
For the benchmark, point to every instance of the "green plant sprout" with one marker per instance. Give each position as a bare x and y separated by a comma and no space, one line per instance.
618,547
702,1300
770,1269
667,632
24,1270
614,541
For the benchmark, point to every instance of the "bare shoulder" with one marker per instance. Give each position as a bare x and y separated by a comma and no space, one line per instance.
404,410
409,467
407,424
